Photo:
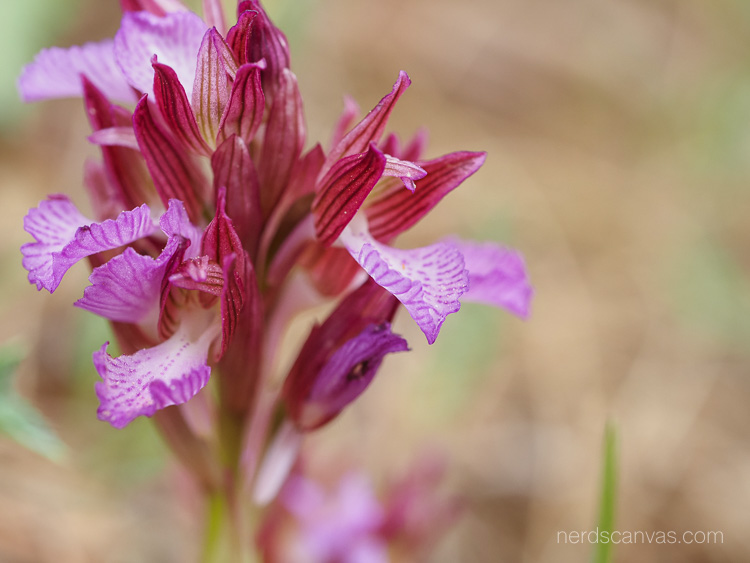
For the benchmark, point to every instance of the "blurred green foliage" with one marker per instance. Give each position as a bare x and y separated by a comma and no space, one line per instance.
603,551
25,28
18,418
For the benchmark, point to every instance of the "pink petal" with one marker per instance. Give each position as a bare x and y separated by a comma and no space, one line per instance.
151,379
174,173
127,287
213,13
210,93
497,276
125,167
351,110
64,236
156,7
283,140
175,40
115,137
234,170
406,171
265,41
371,128
347,374
394,211
175,221
176,110
343,190
56,73
428,280
244,111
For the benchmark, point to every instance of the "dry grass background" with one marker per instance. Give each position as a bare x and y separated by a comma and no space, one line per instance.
618,134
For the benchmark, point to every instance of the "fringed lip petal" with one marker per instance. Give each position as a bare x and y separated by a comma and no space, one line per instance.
127,287
64,236
56,73
175,40
497,276
170,373
429,281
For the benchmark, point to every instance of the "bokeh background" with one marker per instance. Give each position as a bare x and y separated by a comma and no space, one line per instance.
618,134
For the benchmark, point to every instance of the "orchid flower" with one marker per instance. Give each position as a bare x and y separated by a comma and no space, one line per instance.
204,209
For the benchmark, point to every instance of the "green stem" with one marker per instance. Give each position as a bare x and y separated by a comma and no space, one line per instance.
224,540
214,544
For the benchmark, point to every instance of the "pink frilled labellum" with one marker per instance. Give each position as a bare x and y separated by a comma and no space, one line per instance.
64,236
207,207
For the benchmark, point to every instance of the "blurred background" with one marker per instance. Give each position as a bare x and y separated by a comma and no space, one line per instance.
618,134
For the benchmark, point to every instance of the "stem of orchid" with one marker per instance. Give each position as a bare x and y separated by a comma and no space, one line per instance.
224,540
215,528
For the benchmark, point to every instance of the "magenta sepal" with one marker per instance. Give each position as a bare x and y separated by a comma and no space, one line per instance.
283,141
64,236
56,73
347,117
348,372
265,41
176,110
125,168
244,111
497,276
317,386
371,128
396,210
174,39
238,37
174,174
429,281
170,373
343,190
222,244
210,89
234,170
